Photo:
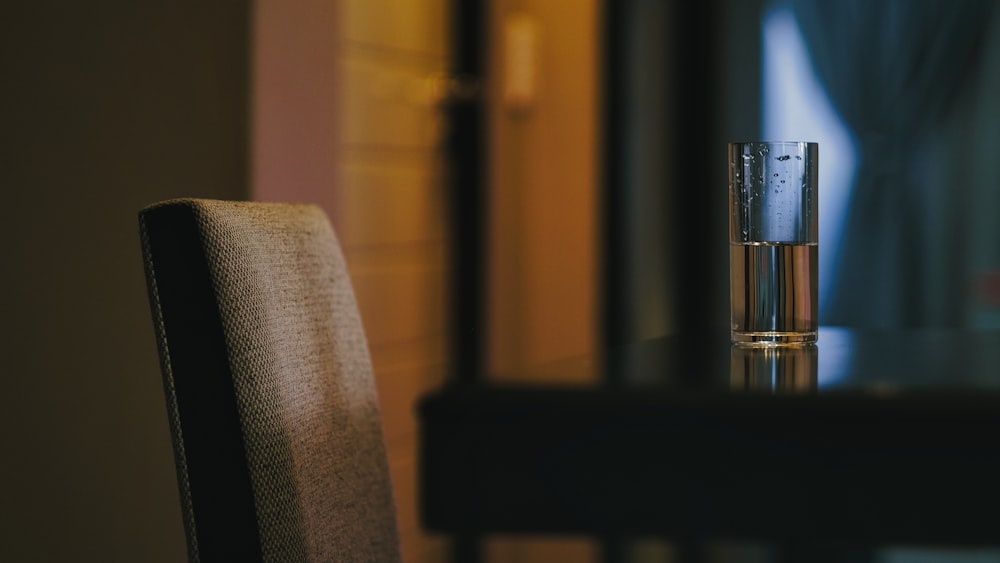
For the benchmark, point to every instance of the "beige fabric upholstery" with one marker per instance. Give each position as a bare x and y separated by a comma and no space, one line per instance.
295,366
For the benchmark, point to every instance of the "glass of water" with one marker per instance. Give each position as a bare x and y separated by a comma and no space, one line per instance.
773,242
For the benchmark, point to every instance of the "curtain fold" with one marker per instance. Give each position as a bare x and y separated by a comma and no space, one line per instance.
895,71
976,155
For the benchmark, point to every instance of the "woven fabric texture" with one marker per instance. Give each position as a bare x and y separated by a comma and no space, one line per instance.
302,380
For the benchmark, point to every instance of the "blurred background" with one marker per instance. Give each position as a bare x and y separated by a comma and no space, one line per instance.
515,183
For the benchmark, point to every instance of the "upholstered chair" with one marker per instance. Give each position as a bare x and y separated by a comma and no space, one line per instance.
271,401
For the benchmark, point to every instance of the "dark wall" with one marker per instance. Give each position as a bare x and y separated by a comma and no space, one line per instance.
104,107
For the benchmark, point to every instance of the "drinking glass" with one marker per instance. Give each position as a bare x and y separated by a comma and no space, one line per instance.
773,242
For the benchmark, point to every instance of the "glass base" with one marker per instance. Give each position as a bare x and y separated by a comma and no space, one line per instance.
774,338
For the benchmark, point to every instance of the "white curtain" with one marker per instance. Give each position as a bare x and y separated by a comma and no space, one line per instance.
901,73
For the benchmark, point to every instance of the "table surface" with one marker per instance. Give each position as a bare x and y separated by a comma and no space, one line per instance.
871,437
843,360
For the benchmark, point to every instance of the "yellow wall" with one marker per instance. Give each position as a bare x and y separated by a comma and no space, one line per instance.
343,116
390,216
544,169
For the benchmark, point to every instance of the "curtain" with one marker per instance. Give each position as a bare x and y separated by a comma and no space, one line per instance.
975,154
896,71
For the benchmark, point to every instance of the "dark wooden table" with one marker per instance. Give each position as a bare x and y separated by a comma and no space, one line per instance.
870,438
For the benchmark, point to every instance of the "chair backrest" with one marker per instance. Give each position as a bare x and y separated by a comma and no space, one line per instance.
272,404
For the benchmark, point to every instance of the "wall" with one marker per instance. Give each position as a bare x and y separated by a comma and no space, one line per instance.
544,168
344,116
391,218
105,108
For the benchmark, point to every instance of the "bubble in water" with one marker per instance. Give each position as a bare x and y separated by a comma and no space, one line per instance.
784,158
798,158
775,174
782,181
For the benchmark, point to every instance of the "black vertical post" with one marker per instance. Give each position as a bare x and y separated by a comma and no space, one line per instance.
467,190
615,310
698,172
467,173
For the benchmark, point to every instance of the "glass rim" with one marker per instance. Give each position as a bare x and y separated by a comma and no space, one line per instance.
743,143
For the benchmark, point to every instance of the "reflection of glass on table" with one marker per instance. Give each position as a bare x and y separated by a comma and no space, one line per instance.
788,369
